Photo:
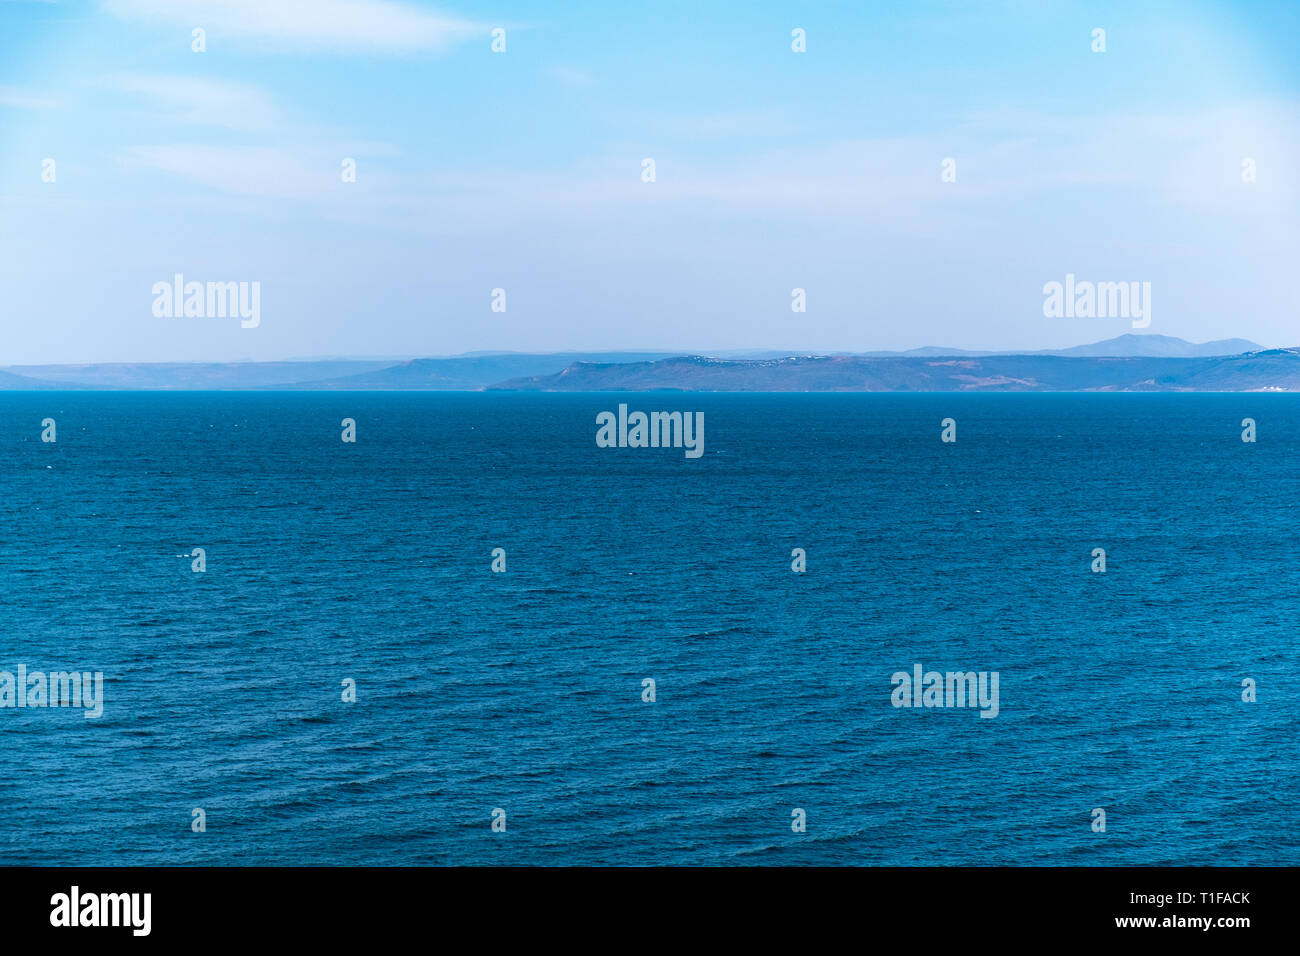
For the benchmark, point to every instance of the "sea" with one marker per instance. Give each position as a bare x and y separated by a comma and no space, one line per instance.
348,681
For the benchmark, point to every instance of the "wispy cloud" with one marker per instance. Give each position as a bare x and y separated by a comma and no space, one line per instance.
190,99
571,76
733,125
246,170
26,99
343,25
892,182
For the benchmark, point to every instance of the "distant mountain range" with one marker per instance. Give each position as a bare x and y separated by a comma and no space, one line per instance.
461,372
1272,370
1126,363
1135,346
1149,346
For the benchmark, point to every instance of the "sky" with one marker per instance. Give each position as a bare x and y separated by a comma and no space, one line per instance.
523,170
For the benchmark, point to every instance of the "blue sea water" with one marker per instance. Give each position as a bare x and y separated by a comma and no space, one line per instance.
522,691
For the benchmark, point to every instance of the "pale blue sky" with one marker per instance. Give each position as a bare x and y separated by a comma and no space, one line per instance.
522,170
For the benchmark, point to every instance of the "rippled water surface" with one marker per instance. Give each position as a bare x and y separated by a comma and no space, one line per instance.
522,690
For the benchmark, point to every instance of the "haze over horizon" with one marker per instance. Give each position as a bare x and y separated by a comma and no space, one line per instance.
522,170
1159,345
